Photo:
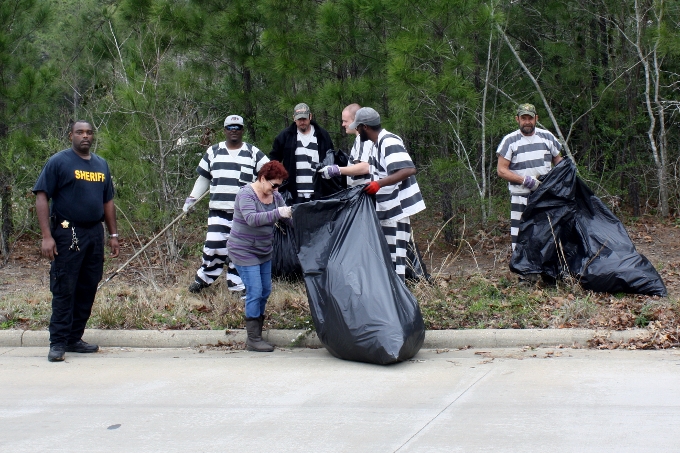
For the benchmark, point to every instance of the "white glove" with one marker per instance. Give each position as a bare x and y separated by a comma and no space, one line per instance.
531,183
286,212
330,171
189,202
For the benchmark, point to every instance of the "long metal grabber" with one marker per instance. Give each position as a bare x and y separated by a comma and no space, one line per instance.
152,240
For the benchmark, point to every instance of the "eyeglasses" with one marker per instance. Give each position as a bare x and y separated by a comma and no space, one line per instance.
274,186
234,127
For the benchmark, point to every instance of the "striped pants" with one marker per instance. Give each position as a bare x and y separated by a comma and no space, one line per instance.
518,204
398,234
215,252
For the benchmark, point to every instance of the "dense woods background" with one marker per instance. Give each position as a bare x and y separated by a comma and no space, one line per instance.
157,78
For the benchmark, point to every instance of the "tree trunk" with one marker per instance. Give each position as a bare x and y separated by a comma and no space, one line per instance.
7,228
540,93
663,139
450,233
6,218
249,109
166,195
652,84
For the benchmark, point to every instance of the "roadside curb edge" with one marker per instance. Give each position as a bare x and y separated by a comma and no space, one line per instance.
434,339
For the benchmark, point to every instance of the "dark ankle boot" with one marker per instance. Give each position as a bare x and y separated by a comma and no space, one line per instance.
254,341
260,320
260,323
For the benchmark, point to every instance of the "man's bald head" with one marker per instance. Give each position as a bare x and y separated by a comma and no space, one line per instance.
348,114
352,109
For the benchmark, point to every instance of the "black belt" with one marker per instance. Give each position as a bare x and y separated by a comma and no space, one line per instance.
59,222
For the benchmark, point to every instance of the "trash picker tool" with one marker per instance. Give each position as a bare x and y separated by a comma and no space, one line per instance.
152,240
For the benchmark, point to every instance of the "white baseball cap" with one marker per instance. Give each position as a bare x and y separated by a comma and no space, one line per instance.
233,119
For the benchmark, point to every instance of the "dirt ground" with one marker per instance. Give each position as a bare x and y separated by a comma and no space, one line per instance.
480,253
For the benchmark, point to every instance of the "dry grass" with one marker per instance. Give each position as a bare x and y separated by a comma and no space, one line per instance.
120,305
477,299
473,301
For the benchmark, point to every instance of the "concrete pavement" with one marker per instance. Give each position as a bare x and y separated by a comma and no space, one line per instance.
292,400
434,339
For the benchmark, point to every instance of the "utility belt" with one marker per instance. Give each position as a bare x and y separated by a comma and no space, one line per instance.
61,222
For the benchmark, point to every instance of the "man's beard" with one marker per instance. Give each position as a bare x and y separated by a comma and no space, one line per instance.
363,136
527,130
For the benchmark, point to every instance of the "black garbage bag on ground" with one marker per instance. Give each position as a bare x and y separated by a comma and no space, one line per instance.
566,228
361,309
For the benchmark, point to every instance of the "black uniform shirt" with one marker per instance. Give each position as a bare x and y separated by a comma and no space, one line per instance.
78,187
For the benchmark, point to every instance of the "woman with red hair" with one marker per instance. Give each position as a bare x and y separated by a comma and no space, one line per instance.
257,208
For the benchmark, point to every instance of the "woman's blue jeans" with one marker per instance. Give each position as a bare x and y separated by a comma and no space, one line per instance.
258,282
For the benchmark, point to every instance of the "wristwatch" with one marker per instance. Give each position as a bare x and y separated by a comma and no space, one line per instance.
114,235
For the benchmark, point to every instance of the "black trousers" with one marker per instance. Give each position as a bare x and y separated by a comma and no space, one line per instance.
74,277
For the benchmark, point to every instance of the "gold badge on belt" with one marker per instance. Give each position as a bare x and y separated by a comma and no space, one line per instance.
64,224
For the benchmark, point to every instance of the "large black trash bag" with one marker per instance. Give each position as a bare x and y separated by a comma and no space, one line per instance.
594,246
361,309
326,187
285,263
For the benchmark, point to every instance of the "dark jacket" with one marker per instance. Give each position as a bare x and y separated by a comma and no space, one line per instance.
283,150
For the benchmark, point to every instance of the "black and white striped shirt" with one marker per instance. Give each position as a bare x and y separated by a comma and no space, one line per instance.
400,200
529,156
360,153
228,171
306,160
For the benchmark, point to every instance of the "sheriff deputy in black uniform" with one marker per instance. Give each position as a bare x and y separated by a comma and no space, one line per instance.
79,184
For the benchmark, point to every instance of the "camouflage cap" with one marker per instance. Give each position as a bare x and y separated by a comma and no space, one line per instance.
526,109
301,111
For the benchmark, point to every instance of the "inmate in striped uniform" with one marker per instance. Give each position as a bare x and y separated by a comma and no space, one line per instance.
227,170
396,203
529,156
360,153
306,161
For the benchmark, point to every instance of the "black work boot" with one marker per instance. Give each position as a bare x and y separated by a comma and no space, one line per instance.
254,341
82,347
56,353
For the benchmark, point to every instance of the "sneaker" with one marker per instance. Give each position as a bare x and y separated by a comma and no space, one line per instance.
56,353
197,287
82,347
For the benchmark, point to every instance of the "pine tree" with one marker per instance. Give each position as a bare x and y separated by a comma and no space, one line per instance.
25,92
